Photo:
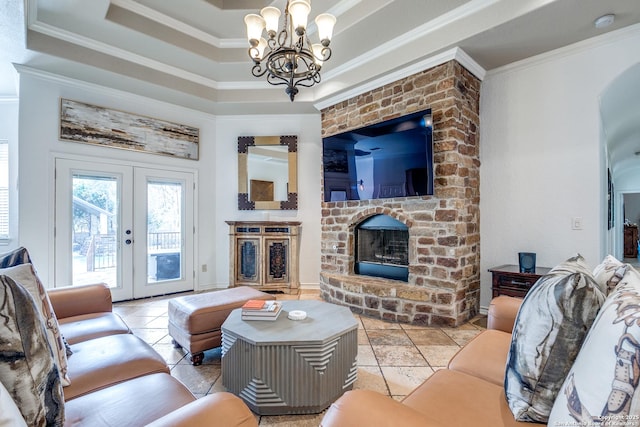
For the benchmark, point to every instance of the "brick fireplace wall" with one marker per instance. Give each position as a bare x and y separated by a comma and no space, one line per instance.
444,229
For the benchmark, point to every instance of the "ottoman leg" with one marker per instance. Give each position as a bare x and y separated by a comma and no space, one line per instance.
175,344
196,358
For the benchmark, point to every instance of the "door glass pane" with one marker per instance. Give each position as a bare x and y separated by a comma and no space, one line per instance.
164,231
95,228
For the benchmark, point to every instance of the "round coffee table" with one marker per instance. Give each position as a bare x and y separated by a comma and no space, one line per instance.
291,366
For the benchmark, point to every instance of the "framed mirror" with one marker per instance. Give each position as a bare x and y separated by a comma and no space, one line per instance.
267,172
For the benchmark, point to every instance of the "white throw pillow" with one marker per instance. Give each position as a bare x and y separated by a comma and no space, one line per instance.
10,415
609,273
26,276
602,384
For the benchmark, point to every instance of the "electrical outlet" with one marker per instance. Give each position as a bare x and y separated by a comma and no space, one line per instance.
204,268
576,223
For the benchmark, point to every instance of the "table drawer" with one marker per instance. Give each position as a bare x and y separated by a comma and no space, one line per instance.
508,281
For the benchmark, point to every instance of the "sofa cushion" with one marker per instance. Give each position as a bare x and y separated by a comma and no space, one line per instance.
104,361
551,324
27,365
493,345
609,273
26,276
10,415
86,327
136,402
603,381
453,398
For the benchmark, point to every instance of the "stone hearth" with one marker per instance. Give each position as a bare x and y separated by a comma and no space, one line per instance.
444,234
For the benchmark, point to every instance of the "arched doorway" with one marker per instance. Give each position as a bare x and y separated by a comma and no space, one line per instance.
620,114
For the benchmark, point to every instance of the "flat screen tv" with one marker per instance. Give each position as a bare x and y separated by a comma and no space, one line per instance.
393,158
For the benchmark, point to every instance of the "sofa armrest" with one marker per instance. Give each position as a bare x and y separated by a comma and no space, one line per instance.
221,409
78,300
503,311
367,408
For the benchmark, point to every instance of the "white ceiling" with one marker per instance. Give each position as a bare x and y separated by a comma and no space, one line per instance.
194,52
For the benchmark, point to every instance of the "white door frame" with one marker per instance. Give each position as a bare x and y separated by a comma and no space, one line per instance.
135,285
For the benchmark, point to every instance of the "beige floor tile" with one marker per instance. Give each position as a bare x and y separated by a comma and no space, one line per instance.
217,386
393,355
170,354
151,311
306,297
312,420
198,379
408,326
461,336
127,310
438,355
285,297
371,378
366,357
158,322
165,340
429,337
138,321
363,338
401,380
388,337
370,323
149,335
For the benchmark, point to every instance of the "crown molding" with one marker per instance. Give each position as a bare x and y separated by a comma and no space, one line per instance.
107,91
106,49
572,49
9,99
468,9
175,24
452,54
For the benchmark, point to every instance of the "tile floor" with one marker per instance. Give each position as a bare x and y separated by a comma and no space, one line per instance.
392,358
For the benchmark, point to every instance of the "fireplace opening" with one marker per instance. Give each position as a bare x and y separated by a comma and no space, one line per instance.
382,248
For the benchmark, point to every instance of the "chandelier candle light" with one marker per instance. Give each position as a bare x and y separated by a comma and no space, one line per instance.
287,57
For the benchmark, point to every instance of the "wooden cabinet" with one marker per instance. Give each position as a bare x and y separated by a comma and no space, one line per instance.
507,280
264,255
630,241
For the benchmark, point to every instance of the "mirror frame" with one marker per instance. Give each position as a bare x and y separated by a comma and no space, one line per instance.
244,142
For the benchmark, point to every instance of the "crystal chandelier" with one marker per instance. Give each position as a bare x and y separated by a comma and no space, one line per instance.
287,57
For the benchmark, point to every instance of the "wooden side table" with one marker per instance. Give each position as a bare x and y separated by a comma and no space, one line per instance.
508,280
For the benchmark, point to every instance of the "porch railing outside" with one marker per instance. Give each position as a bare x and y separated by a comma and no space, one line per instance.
101,249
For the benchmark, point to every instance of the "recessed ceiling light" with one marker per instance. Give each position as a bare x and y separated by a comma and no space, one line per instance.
604,21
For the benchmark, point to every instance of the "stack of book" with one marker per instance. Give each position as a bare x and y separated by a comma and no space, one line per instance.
261,310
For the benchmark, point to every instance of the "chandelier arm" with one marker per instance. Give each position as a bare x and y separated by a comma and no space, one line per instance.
257,70
309,81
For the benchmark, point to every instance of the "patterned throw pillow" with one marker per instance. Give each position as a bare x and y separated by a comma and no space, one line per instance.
26,276
602,386
28,370
550,327
14,257
609,273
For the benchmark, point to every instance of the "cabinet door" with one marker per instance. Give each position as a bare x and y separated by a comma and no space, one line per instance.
277,261
248,261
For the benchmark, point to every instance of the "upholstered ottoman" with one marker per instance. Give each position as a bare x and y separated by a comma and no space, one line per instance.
195,320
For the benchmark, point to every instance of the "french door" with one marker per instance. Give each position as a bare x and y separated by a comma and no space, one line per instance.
130,227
